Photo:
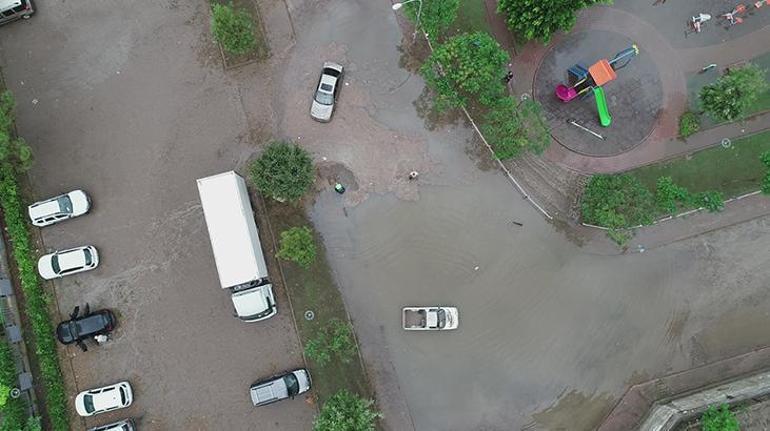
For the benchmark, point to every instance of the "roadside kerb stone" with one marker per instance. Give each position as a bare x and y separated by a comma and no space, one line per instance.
665,417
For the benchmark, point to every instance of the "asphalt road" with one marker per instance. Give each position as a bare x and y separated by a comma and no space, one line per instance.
129,102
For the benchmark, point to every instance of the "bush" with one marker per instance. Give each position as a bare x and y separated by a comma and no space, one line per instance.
465,67
733,93
668,195
297,245
435,17
333,340
712,201
13,411
540,19
511,128
689,123
617,201
283,172
721,419
345,411
15,158
234,29
765,158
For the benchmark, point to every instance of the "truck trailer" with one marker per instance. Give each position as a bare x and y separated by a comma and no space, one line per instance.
235,242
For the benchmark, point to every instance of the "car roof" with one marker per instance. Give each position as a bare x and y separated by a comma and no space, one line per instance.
45,208
7,4
93,323
106,399
275,388
74,258
326,79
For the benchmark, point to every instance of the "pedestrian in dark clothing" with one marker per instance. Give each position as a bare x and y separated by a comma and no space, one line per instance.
508,77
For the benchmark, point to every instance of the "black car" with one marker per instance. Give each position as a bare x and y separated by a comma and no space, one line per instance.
90,324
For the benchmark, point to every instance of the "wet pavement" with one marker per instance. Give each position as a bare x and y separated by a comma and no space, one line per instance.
131,104
634,98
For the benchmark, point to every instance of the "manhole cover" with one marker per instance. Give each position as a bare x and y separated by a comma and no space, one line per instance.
524,96
309,315
726,143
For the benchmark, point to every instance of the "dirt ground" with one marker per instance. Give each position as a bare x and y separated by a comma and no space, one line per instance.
131,104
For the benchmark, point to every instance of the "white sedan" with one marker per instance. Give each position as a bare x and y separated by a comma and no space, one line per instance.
326,92
66,262
101,400
59,208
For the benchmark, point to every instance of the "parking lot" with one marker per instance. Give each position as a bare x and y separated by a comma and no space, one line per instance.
129,102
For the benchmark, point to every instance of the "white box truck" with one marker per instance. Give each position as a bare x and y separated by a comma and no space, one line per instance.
235,242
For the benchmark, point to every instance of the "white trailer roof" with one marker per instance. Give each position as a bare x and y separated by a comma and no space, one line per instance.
233,233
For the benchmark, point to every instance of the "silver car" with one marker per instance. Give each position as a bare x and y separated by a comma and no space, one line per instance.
280,387
326,93
11,10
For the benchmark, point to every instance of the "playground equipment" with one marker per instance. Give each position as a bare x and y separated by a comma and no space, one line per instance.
698,20
732,17
583,80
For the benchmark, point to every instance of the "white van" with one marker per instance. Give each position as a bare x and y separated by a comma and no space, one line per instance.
11,10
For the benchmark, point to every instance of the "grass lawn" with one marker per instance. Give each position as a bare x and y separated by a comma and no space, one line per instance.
471,16
314,289
733,171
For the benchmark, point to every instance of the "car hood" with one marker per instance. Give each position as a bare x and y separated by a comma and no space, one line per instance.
44,267
321,112
64,332
80,406
80,202
303,378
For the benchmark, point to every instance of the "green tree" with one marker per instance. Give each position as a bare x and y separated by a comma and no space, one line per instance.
345,411
668,195
713,201
539,19
297,245
13,151
436,16
284,171
730,96
719,419
464,68
617,201
335,339
689,123
234,29
511,128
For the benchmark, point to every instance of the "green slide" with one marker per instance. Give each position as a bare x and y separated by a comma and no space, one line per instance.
601,105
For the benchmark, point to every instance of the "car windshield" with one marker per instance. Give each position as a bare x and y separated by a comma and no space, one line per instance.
65,204
88,403
55,264
441,314
87,254
292,385
122,397
323,97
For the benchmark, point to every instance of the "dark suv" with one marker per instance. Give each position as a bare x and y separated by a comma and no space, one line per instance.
90,324
11,10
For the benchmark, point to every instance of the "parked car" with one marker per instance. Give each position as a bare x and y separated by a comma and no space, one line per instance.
80,328
124,425
59,208
66,262
430,318
326,92
280,387
11,10
101,400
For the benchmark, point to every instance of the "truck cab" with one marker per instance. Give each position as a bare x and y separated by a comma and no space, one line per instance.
253,304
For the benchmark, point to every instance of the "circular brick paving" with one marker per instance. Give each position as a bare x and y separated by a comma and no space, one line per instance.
634,98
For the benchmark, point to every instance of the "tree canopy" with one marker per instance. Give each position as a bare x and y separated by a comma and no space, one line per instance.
540,19
730,96
511,128
346,412
284,171
435,16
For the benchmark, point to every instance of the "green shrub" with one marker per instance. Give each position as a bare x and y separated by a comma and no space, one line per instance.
333,340
689,123
617,201
712,201
619,237
13,411
283,172
297,245
234,29
511,128
730,96
765,158
719,419
345,411
668,195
